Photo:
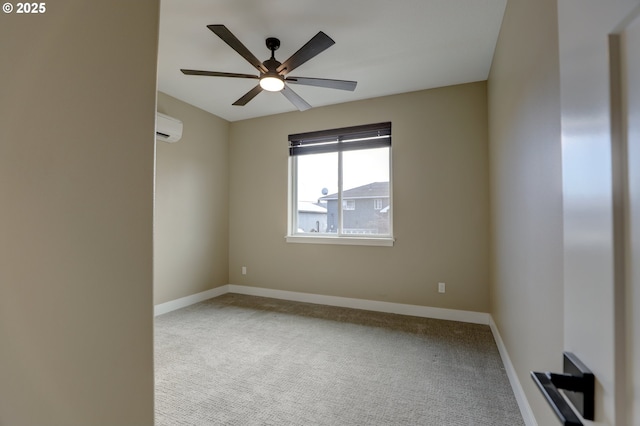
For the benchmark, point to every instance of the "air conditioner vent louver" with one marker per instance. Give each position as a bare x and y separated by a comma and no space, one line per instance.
168,129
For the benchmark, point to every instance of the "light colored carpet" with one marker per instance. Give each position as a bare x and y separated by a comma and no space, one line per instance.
244,360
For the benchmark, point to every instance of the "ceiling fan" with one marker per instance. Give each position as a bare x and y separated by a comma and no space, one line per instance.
273,74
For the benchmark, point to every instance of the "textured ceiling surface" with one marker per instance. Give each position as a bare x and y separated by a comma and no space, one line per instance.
387,46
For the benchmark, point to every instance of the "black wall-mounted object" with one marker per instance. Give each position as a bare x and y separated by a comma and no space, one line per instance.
578,385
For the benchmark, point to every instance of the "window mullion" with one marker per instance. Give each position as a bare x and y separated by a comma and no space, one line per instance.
293,210
340,201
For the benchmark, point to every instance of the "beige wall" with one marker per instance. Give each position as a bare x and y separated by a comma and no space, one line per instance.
76,190
526,190
191,241
440,192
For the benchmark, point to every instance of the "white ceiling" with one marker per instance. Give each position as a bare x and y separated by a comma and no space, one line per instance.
387,46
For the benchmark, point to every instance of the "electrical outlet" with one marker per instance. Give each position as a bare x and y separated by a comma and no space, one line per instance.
441,287
244,270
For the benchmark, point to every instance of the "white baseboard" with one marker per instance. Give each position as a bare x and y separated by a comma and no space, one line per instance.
369,305
521,398
183,302
344,302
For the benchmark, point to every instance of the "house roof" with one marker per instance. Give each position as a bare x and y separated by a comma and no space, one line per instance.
308,207
370,190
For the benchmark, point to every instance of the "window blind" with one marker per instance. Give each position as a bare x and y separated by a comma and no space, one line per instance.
367,136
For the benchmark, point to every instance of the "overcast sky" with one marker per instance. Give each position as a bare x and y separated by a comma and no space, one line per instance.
319,171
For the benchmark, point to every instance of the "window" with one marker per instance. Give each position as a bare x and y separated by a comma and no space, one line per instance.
340,186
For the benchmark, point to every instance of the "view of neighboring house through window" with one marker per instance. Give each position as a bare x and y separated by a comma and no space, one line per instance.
341,182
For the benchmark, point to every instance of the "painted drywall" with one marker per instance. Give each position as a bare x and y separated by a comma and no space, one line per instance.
526,194
440,196
76,223
191,241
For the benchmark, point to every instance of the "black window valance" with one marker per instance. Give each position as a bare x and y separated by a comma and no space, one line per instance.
367,136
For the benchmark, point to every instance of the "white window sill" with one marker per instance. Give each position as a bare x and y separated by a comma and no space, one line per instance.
353,241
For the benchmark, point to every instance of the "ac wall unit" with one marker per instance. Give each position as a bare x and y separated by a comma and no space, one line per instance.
168,129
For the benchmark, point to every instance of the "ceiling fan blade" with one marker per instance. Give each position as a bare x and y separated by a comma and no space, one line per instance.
295,99
324,82
218,74
318,44
248,96
226,36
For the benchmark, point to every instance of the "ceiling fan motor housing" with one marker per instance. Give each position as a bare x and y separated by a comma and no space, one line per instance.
272,65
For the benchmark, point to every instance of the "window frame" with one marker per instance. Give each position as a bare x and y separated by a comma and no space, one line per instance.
340,238
349,204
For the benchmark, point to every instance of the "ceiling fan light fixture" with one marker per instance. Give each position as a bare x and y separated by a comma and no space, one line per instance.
272,83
